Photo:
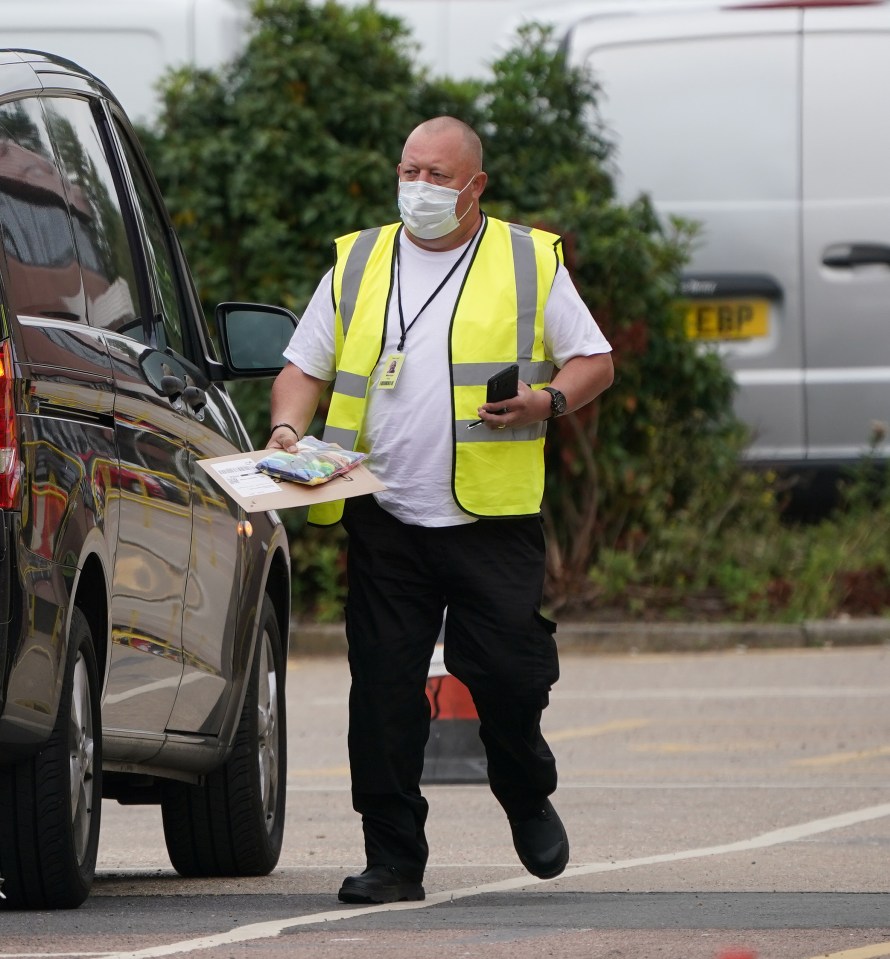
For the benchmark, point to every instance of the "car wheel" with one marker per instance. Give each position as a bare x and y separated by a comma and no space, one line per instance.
50,804
233,825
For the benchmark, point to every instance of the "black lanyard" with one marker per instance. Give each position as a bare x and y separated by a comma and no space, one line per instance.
406,329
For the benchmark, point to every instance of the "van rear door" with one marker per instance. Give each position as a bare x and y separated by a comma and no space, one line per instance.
846,226
705,111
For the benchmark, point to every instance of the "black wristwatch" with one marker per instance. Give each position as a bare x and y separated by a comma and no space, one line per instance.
558,404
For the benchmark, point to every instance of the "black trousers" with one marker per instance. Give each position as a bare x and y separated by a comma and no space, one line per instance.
489,575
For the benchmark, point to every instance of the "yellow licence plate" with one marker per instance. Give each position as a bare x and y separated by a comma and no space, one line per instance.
727,319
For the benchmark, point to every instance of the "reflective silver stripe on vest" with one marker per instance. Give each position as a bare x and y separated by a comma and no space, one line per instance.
485,435
557,240
526,272
347,439
351,384
477,374
353,272
526,269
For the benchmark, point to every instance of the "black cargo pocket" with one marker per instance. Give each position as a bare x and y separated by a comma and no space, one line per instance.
546,655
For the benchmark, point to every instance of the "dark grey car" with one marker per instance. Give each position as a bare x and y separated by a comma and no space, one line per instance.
143,615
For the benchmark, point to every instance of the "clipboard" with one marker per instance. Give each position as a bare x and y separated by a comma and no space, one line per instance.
256,492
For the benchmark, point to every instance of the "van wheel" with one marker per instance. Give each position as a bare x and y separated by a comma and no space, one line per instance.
234,824
50,804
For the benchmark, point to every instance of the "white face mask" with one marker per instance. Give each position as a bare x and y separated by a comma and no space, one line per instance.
428,210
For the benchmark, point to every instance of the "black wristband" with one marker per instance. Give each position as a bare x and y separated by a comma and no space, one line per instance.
275,427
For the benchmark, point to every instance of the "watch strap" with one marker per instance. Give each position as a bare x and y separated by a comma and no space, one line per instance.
557,401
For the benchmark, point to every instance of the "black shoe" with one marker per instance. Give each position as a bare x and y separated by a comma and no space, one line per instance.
380,884
541,842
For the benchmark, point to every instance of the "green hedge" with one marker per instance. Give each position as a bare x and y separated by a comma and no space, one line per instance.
296,142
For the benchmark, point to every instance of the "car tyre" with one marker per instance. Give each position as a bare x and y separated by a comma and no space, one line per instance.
50,804
233,825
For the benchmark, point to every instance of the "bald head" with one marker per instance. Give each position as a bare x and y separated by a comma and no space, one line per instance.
464,138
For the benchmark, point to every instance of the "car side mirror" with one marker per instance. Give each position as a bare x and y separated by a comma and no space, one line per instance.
253,338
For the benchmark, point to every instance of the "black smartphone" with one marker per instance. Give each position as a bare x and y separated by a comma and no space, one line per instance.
504,385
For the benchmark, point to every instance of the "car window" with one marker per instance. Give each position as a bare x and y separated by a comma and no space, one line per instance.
109,273
170,325
44,279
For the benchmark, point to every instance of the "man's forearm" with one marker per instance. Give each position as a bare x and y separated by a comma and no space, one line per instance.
292,405
583,378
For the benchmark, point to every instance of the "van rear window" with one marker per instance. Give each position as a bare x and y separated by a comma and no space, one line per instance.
38,238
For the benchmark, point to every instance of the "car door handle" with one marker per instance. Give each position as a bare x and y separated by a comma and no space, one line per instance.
195,397
172,387
845,256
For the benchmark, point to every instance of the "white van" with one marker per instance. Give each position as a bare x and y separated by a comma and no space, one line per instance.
768,125
129,45
764,121
462,38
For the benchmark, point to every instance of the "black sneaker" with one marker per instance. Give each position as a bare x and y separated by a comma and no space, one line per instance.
380,884
541,842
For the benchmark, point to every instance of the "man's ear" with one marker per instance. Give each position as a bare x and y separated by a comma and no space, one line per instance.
479,184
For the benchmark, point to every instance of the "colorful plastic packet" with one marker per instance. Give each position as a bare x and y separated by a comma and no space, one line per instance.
313,462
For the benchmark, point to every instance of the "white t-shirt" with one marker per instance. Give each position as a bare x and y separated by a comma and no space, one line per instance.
409,428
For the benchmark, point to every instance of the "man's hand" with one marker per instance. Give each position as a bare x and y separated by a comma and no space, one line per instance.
284,437
581,380
527,407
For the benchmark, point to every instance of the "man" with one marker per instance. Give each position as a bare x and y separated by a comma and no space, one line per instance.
410,324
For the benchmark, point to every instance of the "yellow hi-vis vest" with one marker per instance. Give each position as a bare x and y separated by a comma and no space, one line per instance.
498,320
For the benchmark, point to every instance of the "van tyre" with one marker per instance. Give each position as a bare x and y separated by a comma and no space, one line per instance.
50,804
233,825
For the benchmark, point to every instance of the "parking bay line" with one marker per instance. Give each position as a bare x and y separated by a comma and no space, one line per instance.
267,930
583,732
839,759
877,951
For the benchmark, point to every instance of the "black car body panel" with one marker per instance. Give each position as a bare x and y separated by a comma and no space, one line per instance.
116,393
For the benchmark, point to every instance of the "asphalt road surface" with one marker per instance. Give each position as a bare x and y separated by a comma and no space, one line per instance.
731,805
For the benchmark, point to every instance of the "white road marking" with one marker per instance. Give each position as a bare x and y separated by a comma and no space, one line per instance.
266,930
741,692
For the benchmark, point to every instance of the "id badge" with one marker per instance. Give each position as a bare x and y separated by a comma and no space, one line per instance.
390,375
